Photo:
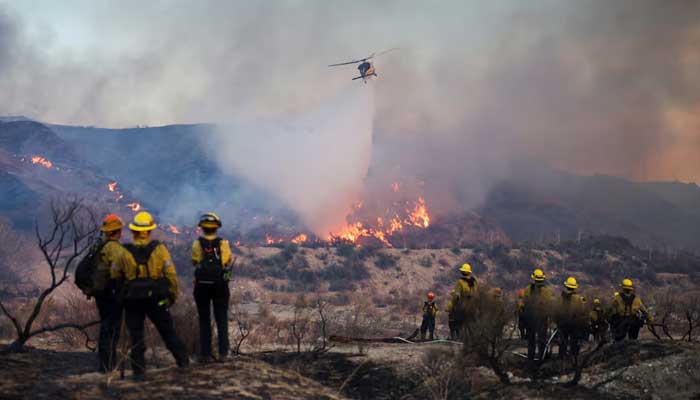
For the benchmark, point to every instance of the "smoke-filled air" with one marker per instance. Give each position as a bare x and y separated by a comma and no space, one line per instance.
314,160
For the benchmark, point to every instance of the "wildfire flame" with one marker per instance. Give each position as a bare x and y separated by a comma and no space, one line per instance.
134,206
173,229
270,240
415,216
300,238
42,161
112,186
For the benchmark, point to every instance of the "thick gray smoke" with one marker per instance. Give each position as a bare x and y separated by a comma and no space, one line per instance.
587,86
314,161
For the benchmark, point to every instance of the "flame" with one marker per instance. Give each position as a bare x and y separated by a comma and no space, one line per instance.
173,229
112,186
134,206
419,215
42,161
414,215
300,238
270,240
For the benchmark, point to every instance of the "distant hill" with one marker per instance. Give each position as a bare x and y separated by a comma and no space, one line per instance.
166,170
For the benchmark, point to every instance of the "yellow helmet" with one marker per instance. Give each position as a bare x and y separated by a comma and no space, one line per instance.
143,221
596,301
571,283
466,269
627,284
537,275
210,220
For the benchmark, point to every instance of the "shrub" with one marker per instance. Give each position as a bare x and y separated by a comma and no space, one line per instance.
426,262
385,261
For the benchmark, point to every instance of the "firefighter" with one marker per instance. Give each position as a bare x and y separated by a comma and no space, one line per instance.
599,325
571,319
464,291
150,286
109,305
537,313
211,257
519,305
627,312
430,310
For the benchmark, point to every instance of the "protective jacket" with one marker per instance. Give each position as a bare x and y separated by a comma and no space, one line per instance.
111,253
572,309
628,305
464,290
537,300
197,255
430,309
159,264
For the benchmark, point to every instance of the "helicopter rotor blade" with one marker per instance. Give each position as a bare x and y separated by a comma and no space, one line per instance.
347,63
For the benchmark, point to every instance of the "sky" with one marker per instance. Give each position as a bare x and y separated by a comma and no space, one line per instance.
588,86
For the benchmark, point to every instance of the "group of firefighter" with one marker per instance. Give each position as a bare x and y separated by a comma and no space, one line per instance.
538,310
138,280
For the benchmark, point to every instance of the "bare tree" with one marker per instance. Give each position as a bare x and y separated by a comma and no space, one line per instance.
299,325
322,310
243,328
73,226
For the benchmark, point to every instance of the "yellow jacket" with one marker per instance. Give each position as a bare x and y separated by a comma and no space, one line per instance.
225,251
430,308
572,308
596,315
627,306
111,253
537,300
462,291
159,265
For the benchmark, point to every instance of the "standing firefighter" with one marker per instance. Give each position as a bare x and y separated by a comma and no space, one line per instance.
458,308
93,278
150,286
627,312
571,319
211,257
536,313
599,326
430,310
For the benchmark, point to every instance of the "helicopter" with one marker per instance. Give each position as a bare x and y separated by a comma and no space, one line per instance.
366,68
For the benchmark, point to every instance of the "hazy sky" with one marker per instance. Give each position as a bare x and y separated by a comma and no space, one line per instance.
591,86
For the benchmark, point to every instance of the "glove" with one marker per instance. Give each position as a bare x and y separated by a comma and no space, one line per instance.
227,274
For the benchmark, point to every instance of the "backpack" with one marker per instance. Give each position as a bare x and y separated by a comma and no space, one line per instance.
87,269
210,269
145,288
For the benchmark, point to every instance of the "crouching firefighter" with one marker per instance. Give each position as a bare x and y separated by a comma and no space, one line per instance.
92,276
430,310
211,257
627,312
149,287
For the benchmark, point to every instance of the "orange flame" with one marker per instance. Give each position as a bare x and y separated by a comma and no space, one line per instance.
270,240
419,215
42,161
134,206
300,239
173,229
112,186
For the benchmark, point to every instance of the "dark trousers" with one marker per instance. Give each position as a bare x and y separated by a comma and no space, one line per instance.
206,297
136,312
522,327
536,338
110,309
627,327
428,325
569,341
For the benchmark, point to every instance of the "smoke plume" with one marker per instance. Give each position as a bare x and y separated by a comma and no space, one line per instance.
314,161
585,86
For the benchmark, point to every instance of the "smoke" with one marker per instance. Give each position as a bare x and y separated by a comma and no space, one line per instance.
586,86
314,161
